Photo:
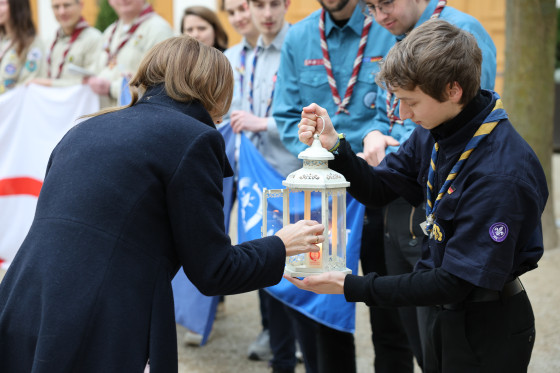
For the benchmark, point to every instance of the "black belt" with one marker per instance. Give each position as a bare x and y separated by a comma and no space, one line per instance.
486,295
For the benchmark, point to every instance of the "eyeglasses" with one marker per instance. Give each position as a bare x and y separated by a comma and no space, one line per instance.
385,7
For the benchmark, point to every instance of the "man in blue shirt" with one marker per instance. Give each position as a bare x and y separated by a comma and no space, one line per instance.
331,57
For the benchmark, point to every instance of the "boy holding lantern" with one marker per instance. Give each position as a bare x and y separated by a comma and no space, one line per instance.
485,189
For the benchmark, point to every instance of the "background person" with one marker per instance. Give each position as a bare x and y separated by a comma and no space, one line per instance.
21,51
331,57
240,54
123,46
254,119
486,193
129,196
204,25
72,45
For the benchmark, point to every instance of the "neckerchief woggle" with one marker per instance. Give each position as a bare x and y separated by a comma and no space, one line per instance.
490,122
390,102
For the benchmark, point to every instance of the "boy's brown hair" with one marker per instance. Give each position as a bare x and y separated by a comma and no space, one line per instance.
434,55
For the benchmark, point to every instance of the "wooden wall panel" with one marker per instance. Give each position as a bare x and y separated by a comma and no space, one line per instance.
298,10
163,7
34,14
492,15
90,11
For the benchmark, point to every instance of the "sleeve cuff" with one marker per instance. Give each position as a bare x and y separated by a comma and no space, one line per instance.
357,288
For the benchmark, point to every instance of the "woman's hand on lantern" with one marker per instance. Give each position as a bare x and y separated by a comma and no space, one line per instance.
311,123
324,283
301,237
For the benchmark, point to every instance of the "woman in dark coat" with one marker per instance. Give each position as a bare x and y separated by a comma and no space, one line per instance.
129,196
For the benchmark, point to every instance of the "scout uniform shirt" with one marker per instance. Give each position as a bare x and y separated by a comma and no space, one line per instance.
486,229
15,70
303,79
259,86
80,54
402,130
150,32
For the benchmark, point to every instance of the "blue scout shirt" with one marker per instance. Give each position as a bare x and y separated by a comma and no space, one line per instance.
488,222
302,78
488,75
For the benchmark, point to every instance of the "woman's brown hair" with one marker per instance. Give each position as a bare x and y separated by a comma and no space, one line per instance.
220,35
189,71
21,25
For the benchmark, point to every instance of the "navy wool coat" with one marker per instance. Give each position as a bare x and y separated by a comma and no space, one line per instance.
128,198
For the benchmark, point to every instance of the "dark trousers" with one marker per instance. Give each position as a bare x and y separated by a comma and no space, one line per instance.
403,248
325,350
479,337
390,342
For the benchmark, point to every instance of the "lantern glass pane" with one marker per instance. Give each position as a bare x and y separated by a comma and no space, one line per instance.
303,208
337,231
274,221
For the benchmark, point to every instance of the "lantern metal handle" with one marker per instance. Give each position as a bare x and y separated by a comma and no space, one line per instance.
323,119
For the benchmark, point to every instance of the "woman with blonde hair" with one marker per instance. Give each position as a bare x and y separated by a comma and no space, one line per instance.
21,51
204,25
130,196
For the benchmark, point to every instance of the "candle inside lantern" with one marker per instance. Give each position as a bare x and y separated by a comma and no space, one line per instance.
334,231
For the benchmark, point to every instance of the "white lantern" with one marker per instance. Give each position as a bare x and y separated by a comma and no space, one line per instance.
323,194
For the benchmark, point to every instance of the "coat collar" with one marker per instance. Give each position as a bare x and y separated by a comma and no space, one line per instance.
157,95
455,133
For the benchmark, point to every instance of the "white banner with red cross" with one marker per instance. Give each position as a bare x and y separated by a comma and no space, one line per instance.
33,119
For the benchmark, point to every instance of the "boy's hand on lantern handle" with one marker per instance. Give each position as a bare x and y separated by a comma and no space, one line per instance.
302,237
324,283
311,123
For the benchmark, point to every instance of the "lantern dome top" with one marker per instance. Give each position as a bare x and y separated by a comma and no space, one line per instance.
316,151
315,173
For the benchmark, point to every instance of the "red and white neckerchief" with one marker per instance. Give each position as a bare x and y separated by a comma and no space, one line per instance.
341,104
392,102
6,49
80,26
146,13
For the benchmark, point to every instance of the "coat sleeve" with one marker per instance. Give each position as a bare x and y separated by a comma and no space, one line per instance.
376,186
195,203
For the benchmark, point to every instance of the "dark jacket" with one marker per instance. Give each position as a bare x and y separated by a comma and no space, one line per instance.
501,184
128,198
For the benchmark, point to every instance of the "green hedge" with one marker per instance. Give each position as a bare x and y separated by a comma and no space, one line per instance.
106,16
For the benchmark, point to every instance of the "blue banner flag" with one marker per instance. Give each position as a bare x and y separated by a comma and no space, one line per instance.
194,310
125,97
254,175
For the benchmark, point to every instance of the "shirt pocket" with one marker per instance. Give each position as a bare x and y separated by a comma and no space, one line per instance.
365,91
444,216
314,85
